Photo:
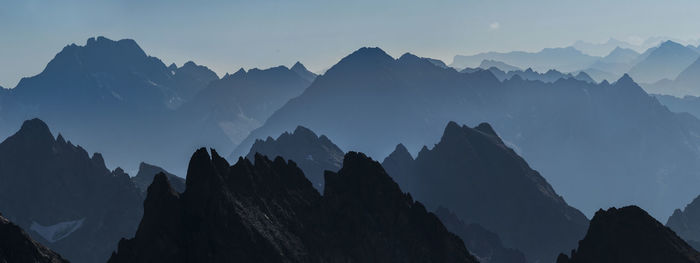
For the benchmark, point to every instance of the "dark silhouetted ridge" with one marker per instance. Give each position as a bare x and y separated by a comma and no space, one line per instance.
631,235
267,211
17,246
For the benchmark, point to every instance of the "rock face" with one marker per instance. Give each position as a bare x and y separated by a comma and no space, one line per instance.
312,153
686,222
144,178
17,246
269,212
629,235
64,198
473,173
484,244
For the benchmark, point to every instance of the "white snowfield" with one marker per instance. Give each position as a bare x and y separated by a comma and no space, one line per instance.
56,231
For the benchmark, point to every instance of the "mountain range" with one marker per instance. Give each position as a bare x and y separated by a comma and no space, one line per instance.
666,61
564,59
269,212
64,198
115,99
588,140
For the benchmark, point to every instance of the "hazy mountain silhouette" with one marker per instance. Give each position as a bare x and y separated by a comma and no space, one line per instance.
614,65
64,198
485,245
549,76
563,59
473,173
303,72
664,62
487,64
190,79
312,153
589,140
117,100
144,178
685,84
602,49
686,222
269,212
17,246
629,235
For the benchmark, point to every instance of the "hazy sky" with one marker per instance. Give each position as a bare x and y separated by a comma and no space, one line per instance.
227,35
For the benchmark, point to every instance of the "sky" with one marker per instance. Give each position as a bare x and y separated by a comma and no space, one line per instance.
228,35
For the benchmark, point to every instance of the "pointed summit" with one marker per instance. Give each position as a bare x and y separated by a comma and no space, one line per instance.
363,58
301,70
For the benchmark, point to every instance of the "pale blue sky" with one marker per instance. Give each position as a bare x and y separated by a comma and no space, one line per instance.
227,35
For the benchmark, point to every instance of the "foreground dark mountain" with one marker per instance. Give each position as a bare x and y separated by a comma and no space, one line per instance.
686,222
144,178
629,235
17,246
589,140
473,173
64,198
485,245
115,99
269,212
313,154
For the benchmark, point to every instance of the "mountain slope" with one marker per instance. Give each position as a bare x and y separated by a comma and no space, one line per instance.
64,198
629,234
268,212
589,140
17,246
473,173
485,245
686,222
313,154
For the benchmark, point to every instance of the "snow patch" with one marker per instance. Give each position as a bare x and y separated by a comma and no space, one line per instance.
57,231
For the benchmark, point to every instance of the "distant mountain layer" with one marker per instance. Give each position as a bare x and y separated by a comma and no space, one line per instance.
17,246
487,64
115,99
549,76
269,212
312,153
64,198
563,59
629,235
473,173
588,140
686,222
664,62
